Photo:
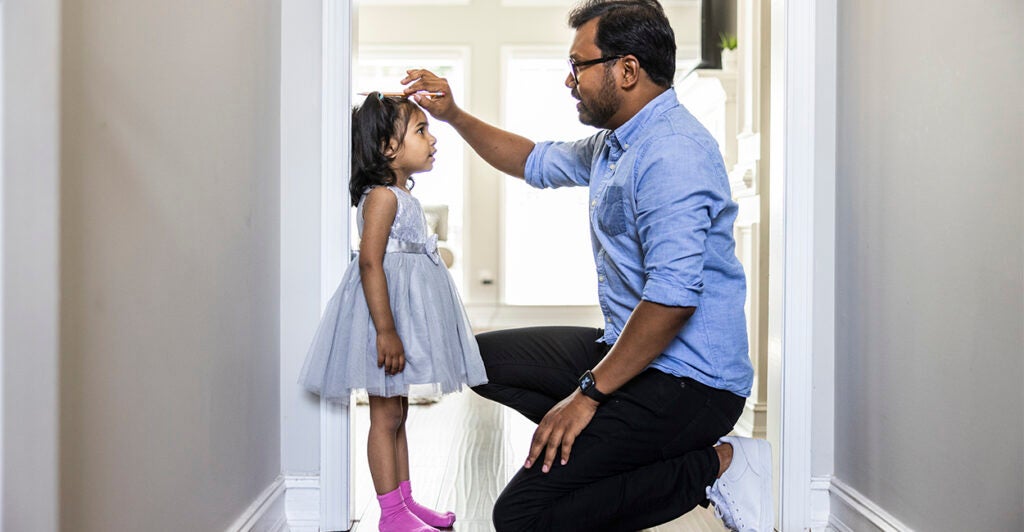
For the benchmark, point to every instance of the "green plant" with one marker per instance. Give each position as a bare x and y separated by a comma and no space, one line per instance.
727,41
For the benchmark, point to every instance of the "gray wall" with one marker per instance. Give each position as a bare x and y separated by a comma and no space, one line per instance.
170,246
930,276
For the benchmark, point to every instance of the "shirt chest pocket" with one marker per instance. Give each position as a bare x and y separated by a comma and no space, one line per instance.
611,216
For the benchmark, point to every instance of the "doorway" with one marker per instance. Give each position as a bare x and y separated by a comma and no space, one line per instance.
800,294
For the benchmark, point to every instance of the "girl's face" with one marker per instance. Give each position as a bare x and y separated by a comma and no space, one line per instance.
416,153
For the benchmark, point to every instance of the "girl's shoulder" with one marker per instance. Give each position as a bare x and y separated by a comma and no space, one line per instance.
380,198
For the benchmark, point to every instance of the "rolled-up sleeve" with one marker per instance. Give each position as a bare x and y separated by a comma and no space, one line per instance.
676,198
562,164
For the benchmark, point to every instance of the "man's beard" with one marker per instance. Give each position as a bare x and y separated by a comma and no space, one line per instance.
598,112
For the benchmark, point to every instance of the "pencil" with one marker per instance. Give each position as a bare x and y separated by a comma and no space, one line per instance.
437,94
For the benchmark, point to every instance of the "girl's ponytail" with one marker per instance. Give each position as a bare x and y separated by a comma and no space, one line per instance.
374,123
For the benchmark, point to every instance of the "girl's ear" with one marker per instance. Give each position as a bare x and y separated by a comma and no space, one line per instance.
390,148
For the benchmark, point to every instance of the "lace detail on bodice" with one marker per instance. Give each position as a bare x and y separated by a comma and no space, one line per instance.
410,223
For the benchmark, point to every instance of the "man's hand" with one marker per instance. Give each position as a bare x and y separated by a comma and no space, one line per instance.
559,429
443,107
390,352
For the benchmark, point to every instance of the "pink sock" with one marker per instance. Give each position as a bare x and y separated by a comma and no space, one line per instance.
428,516
396,517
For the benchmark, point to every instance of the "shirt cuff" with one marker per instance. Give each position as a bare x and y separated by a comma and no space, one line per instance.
672,294
532,173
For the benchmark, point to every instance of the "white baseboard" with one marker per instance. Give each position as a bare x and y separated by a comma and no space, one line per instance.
853,512
302,503
266,513
820,503
486,317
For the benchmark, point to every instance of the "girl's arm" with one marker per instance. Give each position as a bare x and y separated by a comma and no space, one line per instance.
379,212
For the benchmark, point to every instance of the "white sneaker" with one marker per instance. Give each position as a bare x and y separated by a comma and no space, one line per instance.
743,496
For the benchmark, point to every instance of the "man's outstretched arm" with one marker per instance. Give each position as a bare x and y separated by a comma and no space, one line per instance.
501,149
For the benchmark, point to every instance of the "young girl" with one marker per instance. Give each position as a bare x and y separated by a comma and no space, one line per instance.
396,318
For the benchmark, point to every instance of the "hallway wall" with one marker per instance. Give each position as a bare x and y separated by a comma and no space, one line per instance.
930,275
170,260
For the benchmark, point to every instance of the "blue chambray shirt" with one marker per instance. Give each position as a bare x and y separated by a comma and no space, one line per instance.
661,222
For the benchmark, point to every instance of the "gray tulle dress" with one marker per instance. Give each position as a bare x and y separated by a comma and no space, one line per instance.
429,316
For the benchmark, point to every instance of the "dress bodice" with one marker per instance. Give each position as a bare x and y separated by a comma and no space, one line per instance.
410,223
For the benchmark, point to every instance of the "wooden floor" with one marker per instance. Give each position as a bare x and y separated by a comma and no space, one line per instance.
463,450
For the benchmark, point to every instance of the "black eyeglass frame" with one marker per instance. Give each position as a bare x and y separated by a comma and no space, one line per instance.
574,66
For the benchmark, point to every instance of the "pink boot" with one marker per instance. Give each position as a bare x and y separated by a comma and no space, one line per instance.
395,517
428,516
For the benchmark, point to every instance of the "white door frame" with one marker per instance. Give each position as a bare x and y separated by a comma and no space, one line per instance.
801,313
802,295
29,264
335,424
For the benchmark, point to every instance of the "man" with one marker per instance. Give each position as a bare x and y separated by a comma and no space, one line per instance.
629,416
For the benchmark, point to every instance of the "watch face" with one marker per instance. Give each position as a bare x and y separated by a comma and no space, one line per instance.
586,381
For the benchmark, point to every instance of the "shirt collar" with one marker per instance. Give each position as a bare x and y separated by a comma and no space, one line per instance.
625,135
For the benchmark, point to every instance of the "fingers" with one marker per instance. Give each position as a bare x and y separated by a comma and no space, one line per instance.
424,80
393,363
551,440
540,437
553,444
567,440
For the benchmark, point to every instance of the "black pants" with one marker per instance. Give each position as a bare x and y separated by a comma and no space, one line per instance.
644,459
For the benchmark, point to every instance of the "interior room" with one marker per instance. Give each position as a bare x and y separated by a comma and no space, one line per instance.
174,217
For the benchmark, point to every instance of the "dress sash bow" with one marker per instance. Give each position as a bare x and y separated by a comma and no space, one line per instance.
428,248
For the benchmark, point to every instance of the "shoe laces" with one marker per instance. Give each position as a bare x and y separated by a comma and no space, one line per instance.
722,512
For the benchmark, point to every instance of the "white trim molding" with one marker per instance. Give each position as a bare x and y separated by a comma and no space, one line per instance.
266,513
302,503
30,270
853,512
335,426
802,256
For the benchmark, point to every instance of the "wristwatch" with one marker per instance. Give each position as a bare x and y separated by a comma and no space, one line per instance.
589,387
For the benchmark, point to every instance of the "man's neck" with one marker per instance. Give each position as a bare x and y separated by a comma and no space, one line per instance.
633,102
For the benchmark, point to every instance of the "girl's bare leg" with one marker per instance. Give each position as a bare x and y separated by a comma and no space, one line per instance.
381,446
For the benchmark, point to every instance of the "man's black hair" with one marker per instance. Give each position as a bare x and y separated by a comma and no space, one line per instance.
637,27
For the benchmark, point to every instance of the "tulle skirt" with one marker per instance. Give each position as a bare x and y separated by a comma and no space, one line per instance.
430,320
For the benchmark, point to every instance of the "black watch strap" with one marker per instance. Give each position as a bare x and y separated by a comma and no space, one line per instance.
589,387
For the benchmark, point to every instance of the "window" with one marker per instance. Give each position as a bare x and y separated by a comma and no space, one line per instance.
546,253
382,69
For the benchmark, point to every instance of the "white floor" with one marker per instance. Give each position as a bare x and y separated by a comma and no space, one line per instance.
463,450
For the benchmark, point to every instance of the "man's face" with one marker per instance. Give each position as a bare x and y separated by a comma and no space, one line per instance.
595,90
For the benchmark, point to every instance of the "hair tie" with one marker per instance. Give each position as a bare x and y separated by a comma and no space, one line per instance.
380,96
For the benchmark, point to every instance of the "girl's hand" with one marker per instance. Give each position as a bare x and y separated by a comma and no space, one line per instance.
390,352
443,107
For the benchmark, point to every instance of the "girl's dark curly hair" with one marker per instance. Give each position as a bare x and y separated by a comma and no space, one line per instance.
374,123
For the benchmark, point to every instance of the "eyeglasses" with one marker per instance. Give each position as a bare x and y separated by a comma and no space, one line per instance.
574,65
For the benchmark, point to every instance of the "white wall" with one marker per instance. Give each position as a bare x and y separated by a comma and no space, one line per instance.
930,294
29,68
170,262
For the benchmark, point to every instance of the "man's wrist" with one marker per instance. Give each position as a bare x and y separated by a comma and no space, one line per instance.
588,387
587,400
